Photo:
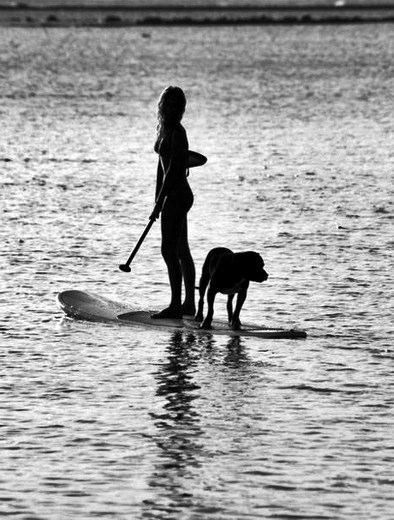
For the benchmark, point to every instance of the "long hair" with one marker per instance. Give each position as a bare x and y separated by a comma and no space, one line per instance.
171,107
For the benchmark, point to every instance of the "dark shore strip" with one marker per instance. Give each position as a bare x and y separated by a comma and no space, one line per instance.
120,16
193,8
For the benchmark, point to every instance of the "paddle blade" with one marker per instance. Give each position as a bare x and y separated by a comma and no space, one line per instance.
125,268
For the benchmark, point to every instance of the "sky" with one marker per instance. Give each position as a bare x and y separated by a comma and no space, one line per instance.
257,3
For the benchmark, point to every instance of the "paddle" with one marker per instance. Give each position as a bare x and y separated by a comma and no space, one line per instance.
126,267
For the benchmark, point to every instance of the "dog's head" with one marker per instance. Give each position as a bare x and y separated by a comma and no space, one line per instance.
253,266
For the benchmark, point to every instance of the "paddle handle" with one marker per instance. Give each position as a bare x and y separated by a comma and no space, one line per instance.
126,267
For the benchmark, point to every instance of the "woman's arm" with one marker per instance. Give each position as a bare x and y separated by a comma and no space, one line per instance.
176,167
159,178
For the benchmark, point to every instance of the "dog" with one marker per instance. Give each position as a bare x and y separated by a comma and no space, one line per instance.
228,273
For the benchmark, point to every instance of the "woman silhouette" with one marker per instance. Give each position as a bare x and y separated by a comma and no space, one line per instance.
174,198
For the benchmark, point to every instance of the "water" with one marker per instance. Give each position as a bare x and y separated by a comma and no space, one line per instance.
103,421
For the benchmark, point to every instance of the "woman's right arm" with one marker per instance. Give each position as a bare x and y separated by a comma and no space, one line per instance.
177,165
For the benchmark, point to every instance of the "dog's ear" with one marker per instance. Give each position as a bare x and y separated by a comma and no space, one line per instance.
260,274
258,261
252,266
248,263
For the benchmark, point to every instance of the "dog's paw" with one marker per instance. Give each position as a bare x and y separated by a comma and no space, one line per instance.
198,317
235,324
206,325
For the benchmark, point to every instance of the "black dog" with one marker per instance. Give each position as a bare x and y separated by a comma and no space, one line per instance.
228,273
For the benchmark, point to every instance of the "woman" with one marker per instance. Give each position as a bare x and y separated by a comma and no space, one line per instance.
174,198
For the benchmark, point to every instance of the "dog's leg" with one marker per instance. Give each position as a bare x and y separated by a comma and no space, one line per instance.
235,322
204,280
206,324
230,307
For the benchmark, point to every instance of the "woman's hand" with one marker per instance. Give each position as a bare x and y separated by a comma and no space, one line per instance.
155,213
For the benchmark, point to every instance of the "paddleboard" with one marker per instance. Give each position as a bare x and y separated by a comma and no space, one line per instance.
92,307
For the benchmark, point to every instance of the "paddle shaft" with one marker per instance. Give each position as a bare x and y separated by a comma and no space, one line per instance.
126,267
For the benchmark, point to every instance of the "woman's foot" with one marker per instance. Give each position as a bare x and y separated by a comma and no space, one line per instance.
189,309
173,313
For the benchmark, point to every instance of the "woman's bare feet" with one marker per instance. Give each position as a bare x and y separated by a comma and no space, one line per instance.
173,313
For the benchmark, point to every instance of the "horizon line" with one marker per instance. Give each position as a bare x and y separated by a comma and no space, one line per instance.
175,7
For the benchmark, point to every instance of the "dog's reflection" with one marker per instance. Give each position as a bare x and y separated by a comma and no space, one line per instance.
236,353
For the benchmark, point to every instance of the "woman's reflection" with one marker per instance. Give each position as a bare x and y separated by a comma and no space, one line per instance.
178,432
178,425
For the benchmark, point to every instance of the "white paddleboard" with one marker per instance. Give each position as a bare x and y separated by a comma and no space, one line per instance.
91,307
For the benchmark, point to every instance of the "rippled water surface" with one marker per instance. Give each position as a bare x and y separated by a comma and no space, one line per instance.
98,420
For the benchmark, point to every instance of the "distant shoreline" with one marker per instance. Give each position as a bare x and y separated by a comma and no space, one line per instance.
169,7
119,16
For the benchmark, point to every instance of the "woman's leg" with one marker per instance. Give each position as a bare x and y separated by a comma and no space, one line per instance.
172,223
188,272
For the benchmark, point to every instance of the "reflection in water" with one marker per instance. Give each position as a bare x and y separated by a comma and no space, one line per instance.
178,429
236,354
179,435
